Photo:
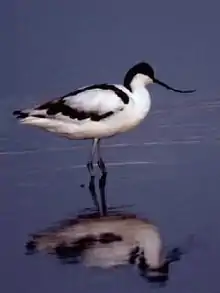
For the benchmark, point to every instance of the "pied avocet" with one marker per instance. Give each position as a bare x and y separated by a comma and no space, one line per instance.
97,111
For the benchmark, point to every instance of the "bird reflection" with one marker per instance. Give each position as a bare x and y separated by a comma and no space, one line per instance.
113,239
102,210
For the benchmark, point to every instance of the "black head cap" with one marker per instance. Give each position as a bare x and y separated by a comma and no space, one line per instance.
142,68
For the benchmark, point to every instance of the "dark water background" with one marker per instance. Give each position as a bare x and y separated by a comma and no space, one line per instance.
52,47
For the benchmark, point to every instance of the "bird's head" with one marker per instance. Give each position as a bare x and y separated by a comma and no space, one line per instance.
143,74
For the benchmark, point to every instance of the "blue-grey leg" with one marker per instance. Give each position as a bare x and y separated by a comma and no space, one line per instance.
90,163
102,180
93,193
102,186
90,168
100,162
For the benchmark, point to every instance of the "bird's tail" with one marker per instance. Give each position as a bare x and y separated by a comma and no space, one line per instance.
20,114
24,114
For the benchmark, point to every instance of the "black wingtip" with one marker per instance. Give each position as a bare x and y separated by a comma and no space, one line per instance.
19,114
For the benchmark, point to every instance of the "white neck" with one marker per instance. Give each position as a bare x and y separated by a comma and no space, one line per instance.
140,81
140,95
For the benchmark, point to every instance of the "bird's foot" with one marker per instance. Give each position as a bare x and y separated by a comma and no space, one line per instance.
93,193
102,166
102,185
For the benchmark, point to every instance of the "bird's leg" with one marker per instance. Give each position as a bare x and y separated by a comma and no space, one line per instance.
93,192
100,162
102,185
102,180
90,166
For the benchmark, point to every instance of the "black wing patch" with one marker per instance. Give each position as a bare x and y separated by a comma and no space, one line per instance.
54,108
59,106
124,97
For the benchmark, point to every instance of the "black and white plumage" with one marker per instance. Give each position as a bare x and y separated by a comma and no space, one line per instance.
97,111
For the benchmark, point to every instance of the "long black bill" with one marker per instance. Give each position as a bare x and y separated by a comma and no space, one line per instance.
172,89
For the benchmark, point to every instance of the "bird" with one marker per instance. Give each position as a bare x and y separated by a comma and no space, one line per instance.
97,111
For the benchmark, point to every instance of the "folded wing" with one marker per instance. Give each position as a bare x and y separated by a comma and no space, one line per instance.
95,102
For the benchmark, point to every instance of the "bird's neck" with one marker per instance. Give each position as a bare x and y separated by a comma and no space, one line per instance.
141,95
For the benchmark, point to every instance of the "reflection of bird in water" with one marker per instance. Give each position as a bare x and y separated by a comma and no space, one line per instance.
112,240
102,189
97,111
